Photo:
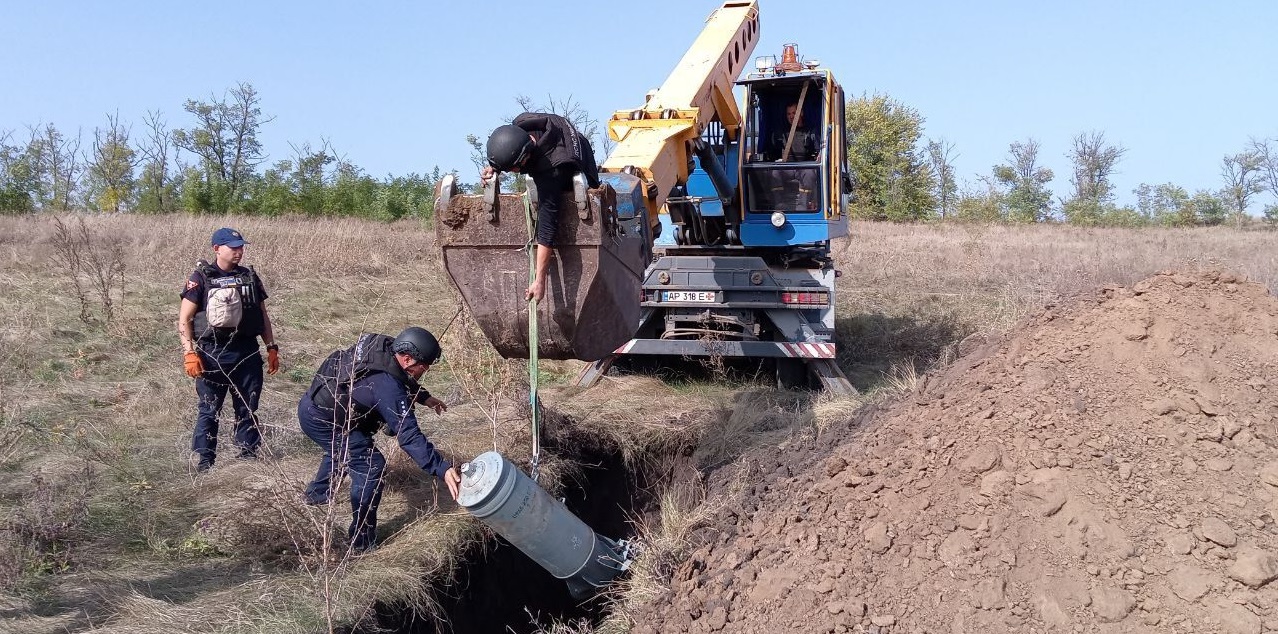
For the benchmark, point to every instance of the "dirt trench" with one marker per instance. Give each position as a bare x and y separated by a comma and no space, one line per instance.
500,589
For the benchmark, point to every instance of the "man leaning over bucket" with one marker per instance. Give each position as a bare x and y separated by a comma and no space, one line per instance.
550,150
371,385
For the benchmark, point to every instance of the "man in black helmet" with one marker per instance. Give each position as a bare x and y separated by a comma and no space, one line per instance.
371,385
550,150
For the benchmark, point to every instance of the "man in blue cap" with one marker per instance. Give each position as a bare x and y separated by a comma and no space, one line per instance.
223,313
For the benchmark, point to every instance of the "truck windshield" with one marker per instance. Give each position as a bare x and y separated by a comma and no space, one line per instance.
788,187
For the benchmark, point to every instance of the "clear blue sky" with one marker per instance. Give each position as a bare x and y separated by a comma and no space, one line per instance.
396,86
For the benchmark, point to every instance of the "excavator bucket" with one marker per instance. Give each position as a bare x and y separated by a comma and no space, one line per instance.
592,296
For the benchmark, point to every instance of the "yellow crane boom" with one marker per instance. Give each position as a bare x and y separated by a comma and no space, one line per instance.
653,142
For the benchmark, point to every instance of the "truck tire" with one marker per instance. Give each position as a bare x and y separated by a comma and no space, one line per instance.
792,374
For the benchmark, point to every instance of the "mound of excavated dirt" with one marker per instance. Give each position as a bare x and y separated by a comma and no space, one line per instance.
1109,466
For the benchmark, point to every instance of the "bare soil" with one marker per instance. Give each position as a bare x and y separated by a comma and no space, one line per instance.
1109,465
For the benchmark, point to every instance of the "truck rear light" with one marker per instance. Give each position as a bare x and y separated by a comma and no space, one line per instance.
809,299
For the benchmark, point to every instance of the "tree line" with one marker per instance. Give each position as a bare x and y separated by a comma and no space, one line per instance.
902,177
215,164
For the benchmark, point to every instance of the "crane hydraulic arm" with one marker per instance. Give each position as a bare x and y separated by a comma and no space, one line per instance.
654,142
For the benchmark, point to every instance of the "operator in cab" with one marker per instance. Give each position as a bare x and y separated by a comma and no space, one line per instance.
793,189
550,150
805,143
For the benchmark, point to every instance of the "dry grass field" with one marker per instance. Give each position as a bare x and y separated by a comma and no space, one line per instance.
909,290
105,526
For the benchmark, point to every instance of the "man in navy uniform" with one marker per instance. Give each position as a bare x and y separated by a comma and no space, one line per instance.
371,385
222,316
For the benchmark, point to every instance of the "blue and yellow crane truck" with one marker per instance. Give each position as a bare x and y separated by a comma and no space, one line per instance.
707,237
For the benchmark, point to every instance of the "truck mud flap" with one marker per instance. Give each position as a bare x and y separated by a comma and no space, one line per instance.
593,288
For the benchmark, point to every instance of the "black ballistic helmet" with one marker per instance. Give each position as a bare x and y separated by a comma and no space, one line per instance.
508,147
419,344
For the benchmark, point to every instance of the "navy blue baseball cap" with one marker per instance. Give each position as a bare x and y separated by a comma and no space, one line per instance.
229,237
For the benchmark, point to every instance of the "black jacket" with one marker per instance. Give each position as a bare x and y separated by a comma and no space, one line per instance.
370,355
363,387
805,147
558,145
559,153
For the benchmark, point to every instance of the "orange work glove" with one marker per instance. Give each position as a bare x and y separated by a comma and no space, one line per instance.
272,360
194,367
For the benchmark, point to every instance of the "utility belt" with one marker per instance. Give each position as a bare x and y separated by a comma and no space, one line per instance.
209,334
249,329
346,415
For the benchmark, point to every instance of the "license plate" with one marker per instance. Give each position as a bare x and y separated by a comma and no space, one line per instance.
688,296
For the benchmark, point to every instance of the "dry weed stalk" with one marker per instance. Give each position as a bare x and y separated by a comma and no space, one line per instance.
324,557
40,535
831,409
748,419
715,347
903,377
481,375
269,523
96,262
12,433
13,429
580,627
665,546
313,536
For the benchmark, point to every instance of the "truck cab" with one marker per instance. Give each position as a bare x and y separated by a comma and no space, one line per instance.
794,174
